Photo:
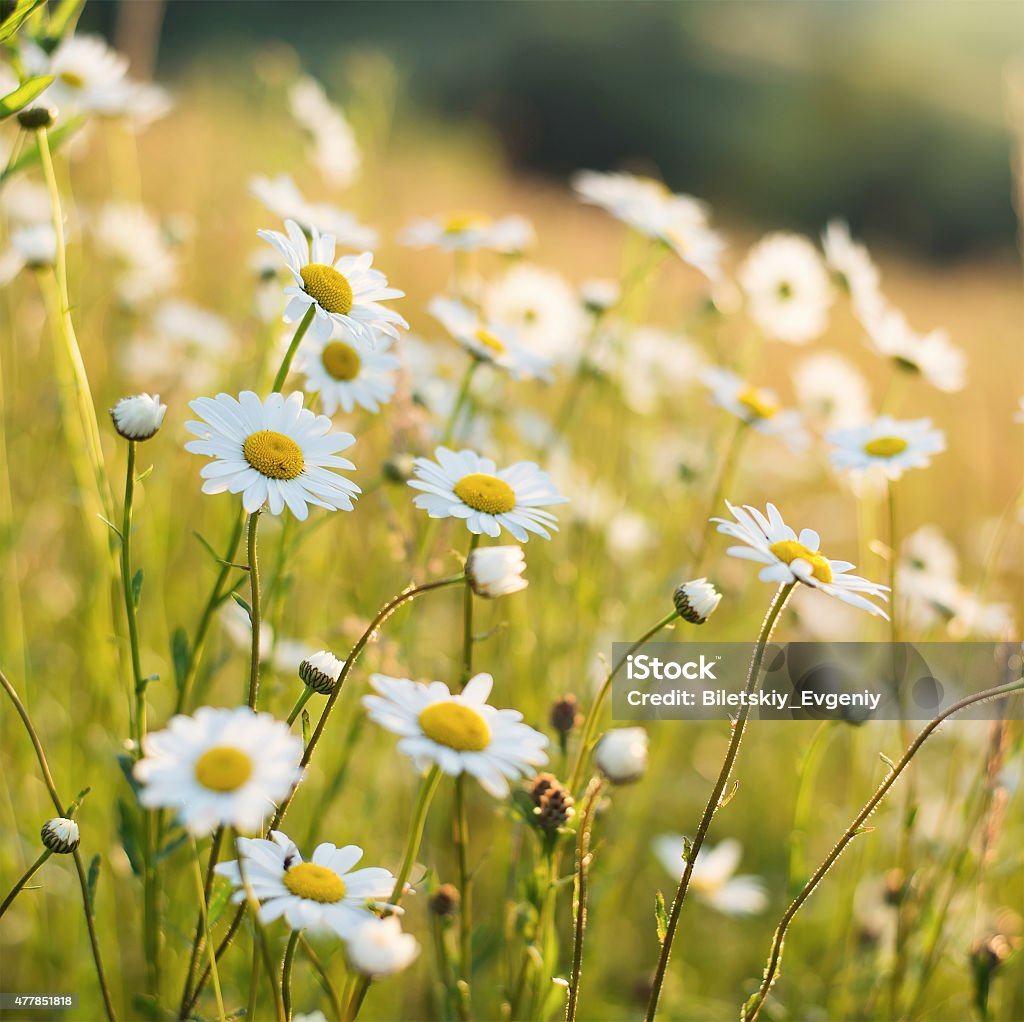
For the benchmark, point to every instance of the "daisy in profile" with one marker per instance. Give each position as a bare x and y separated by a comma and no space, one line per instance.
345,291
347,372
831,390
788,557
713,878
461,484
219,767
272,452
541,307
887,445
931,356
281,196
852,266
324,895
460,732
335,151
489,342
471,232
756,407
787,288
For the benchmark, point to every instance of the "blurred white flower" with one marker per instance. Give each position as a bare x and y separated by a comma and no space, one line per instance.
1019,417
494,571
853,266
831,389
621,754
335,150
281,196
379,948
787,288
713,878
887,445
656,364
599,294
541,307
469,232
756,407
146,265
938,361
32,246
627,534
25,202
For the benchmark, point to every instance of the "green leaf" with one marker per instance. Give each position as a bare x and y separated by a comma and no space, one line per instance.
60,18
218,900
170,848
127,765
241,603
180,656
92,879
14,20
128,829
306,729
207,547
661,916
137,586
23,95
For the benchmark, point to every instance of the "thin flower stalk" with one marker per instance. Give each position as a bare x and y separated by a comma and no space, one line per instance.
583,862
24,879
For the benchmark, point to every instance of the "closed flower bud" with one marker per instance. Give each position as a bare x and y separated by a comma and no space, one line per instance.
495,571
34,117
138,417
565,714
621,754
444,902
321,671
696,600
60,835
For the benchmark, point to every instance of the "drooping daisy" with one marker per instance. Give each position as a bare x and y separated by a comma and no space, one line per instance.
789,557
932,356
461,484
489,342
460,732
852,265
346,371
831,389
281,196
468,232
272,451
756,407
713,878
324,895
787,288
346,291
888,445
219,766
335,150
541,307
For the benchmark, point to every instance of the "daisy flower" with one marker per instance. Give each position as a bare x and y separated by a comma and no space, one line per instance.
926,574
889,445
788,557
470,232
324,895
86,72
272,451
756,407
219,767
281,196
541,307
831,389
853,267
33,246
461,484
345,291
655,364
379,948
489,342
460,732
713,878
347,372
932,356
335,150
787,288
141,248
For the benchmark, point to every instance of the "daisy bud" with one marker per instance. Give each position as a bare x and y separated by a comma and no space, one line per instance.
37,117
990,952
565,714
445,901
321,671
138,417
599,295
696,600
554,803
380,948
621,755
60,835
495,571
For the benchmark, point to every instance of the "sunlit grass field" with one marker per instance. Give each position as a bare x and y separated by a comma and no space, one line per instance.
607,575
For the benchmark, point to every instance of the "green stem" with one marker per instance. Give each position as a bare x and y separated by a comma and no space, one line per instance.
325,979
583,858
286,362
755,1003
738,728
461,829
25,878
306,695
460,401
197,872
254,610
200,929
286,973
730,461
590,724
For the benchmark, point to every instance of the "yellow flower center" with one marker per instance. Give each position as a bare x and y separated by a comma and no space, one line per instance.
759,405
457,726
314,883
274,454
459,222
488,340
72,79
485,493
885,446
341,360
223,768
789,550
327,287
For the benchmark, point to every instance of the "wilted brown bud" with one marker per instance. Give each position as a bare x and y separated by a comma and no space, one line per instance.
445,901
565,714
